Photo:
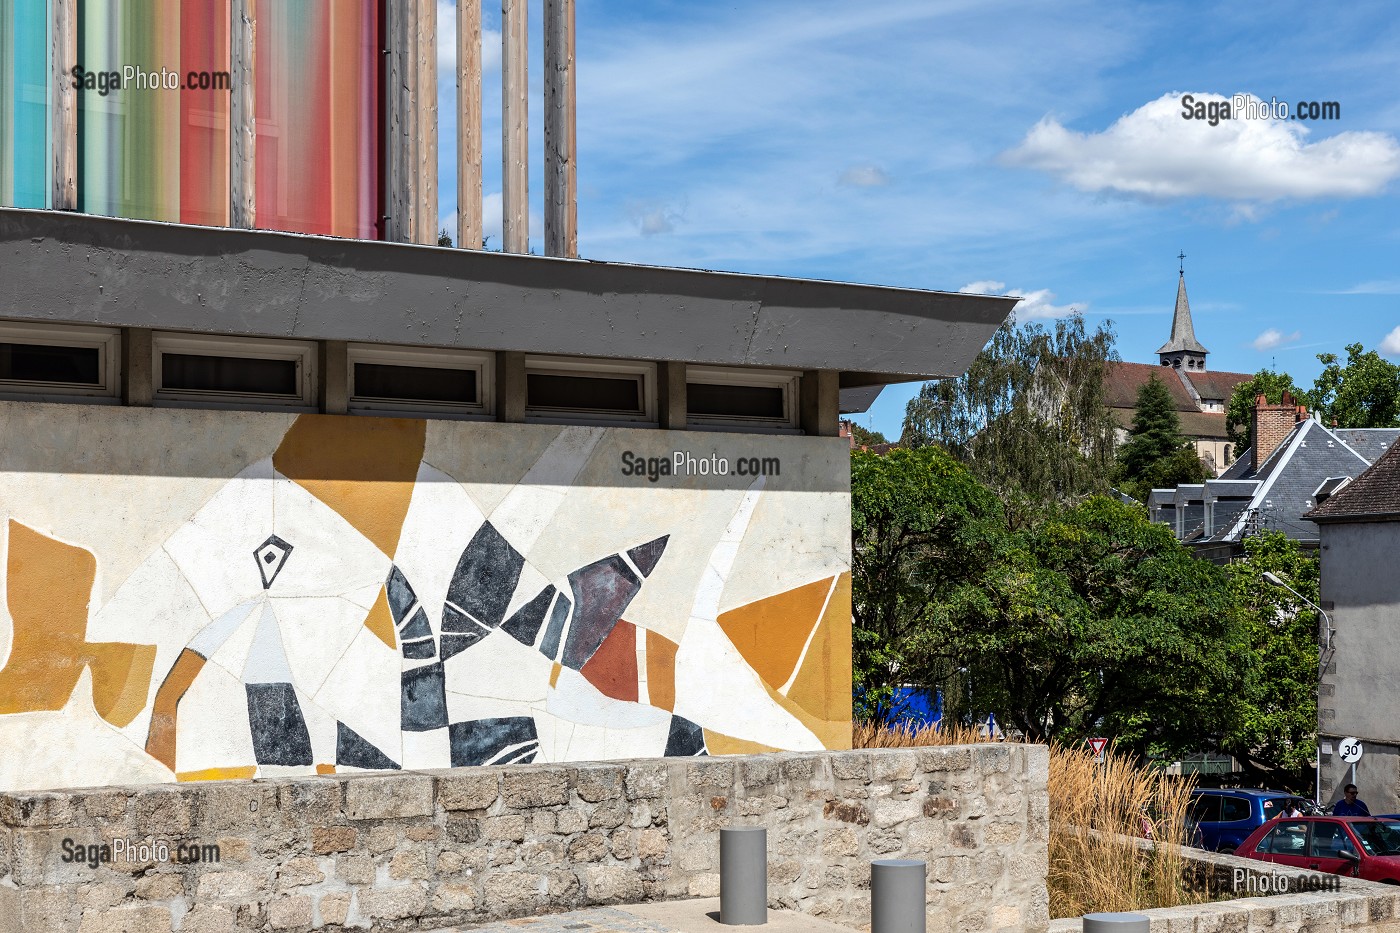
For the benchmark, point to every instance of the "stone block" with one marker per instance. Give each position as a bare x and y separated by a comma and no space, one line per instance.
132,919
409,865
454,898
103,895
234,849
1002,833
609,815
706,885
388,797
653,844
758,771
949,758
511,894
611,884
646,781
709,776
840,843
334,908
596,783
208,918
162,886
798,766
240,885
590,847
400,903
316,802
894,764
102,808
355,868
35,811
504,828
570,821
289,913
235,805
328,839
851,766
992,759
469,789
889,813
383,837
562,887
162,812
299,872
531,786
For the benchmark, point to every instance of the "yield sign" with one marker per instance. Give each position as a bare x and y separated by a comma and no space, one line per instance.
1098,746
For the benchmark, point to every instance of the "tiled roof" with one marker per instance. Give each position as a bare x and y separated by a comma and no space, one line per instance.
1202,424
1121,382
1373,494
1217,385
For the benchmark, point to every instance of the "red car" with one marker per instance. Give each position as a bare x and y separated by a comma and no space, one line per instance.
1360,846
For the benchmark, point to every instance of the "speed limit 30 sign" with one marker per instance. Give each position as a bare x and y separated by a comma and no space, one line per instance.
1350,750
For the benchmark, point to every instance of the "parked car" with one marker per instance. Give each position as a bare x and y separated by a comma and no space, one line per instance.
1220,820
1362,846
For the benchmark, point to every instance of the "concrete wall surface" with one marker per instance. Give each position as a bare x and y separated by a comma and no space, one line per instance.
1355,905
419,850
191,595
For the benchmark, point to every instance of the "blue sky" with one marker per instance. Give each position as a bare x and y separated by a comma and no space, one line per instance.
1011,146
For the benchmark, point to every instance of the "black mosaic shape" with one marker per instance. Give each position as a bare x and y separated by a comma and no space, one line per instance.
552,636
271,557
685,739
458,631
524,626
423,650
279,729
454,643
354,751
602,592
417,626
486,576
424,703
400,595
493,741
645,556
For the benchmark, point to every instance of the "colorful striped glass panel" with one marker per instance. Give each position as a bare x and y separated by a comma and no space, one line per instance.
24,103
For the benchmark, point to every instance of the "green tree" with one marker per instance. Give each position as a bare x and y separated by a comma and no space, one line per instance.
1365,393
916,518
1156,454
1028,417
1274,737
866,437
444,238
1239,412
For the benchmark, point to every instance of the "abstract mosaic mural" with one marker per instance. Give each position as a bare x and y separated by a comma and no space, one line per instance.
364,593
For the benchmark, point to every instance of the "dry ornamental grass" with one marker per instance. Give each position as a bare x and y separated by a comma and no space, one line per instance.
1105,822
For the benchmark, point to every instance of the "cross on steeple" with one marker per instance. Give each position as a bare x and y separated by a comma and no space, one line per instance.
1181,258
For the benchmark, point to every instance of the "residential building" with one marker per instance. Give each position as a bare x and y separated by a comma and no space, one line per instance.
1360,591
287,489
1199,396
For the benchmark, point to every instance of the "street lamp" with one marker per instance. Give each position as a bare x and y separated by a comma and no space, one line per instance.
1324,649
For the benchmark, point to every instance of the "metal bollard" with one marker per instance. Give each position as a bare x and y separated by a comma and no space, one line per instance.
743,875
1116,923
897,896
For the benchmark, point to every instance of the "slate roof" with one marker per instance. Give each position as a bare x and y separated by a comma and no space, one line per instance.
1370,443
1374,494
1216,385
1183,332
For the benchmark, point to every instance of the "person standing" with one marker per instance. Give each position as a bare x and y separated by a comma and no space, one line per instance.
1349,805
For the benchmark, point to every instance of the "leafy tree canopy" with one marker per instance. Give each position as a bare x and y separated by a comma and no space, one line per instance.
1028,417
1365,393
1240,409
1156,454
866,437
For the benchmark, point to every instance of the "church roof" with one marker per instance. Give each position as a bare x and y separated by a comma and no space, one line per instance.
1183,333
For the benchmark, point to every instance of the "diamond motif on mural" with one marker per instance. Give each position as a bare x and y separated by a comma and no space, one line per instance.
272,555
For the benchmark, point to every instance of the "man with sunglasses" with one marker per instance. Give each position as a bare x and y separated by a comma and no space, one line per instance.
1349,805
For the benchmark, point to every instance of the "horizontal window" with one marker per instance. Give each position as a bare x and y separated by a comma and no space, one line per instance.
57,362
739,398
566,389
197,369
419,380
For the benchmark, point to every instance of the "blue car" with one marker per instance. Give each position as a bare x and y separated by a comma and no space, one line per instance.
1220,820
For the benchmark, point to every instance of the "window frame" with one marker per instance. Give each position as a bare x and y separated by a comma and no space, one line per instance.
483,364
786,379
302,352
645,373
106,340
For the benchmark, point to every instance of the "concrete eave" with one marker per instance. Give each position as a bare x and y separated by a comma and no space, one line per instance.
81,268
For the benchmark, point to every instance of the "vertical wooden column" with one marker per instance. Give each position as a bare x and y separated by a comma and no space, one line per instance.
560,131
400,122
63,56
469,232
243,129
515,165
425,116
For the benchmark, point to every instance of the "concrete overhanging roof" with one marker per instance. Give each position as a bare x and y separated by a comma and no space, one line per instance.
81,268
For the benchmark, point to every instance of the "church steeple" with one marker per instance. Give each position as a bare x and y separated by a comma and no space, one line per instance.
1183,350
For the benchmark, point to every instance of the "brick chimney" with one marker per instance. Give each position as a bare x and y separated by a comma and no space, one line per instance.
1271,424
844,430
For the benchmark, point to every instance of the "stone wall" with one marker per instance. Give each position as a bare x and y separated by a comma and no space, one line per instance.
418,849
1358,907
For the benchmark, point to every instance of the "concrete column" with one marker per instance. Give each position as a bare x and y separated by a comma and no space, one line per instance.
333,376
671,396
510,386
821,403
138,367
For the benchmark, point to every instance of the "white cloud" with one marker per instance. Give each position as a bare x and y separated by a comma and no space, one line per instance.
1390,346
1154,152
1390,287
653,219
1034,305
447,44
1273,337
864,176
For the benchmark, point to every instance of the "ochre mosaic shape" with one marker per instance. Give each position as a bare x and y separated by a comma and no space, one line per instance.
48,585
771,633
363,468
661,671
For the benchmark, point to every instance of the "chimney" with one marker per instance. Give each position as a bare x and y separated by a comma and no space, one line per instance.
844,430
1272,423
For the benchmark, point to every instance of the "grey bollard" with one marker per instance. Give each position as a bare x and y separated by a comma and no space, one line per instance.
1116,923
897,896
743,875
